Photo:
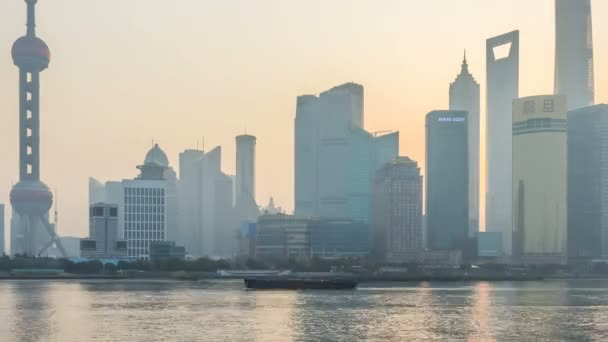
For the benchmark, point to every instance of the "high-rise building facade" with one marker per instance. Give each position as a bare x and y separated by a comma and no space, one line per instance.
104,241
245,203
588,183
465,95
2,239
502,72
31,199
207,223
147,206
335,158
447,180
540,179
397,210
574,52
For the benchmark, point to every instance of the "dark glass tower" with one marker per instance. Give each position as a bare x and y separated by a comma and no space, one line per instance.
588,183
30,198
447,180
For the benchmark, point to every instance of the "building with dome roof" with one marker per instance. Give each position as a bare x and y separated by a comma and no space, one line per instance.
147,204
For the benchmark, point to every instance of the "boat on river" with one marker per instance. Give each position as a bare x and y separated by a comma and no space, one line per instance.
288,283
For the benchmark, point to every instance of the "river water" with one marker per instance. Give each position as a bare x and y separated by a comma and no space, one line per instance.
148,311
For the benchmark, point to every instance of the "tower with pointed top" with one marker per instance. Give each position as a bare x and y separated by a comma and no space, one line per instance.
465,95
31,199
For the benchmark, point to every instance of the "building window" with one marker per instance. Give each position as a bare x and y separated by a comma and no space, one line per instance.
530,107
549,106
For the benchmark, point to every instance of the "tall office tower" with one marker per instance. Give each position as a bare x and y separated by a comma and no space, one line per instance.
103,241
2,244
540,179
397,211
464,95
588,183
245,204
502,88
335,158
574,52
207,225
447,180
31,199
190,201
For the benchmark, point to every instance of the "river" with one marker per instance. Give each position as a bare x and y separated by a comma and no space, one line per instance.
130,310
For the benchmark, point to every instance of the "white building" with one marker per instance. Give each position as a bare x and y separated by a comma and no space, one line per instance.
206,217
147,205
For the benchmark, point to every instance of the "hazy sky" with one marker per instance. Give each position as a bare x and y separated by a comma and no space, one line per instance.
127,72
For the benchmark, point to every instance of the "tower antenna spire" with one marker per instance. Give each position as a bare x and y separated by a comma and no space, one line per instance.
31,17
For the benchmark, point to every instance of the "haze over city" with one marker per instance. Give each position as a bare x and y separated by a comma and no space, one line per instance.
127,73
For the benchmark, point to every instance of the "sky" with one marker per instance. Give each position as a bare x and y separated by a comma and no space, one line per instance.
125,74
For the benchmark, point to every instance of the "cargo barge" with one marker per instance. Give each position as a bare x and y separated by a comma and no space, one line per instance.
299,284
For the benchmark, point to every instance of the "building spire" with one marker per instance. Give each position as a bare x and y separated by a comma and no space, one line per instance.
465,64
31,17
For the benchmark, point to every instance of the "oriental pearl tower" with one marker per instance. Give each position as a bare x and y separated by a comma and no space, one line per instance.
31,199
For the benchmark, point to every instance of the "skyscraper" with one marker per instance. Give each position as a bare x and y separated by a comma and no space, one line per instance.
245,203
540,179
2,240
464,95
397,211
148,214
574,52
447,180
207,226
335,158
502,88
588,183
31,199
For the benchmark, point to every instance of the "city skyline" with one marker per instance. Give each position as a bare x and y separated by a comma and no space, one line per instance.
80,92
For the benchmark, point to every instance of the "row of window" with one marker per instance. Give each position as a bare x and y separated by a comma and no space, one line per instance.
144,192
151,200
144,217
129,226
141,243
138,209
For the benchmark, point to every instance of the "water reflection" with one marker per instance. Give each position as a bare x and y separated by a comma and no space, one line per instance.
481,314
32,311
224,311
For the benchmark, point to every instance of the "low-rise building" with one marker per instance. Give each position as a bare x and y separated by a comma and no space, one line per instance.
333,238
166,250
103,241
281,235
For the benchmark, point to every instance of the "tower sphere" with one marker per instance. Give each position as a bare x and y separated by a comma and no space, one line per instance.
31,198
31,51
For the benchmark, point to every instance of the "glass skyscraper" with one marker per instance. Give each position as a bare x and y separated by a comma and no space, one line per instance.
588,183
335,157
447,180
